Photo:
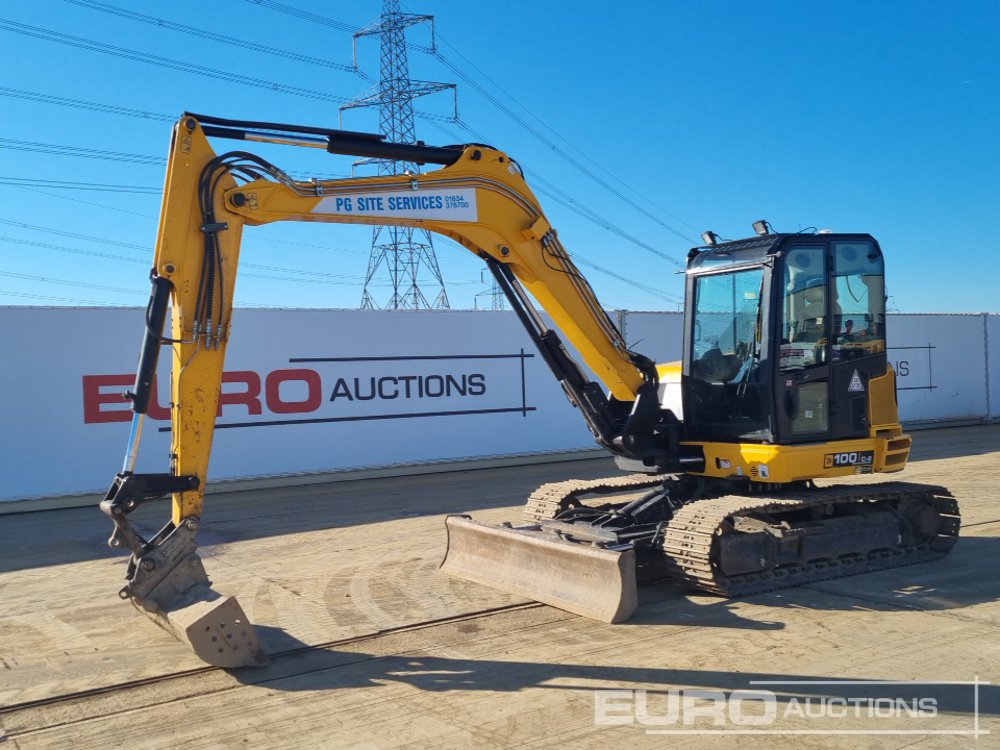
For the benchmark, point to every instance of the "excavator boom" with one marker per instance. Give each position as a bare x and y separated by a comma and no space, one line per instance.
477,197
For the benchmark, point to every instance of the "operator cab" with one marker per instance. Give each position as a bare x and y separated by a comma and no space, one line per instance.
782,333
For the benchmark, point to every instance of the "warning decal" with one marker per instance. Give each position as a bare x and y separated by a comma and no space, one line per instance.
856,385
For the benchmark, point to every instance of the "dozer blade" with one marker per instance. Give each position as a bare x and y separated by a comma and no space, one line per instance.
577,577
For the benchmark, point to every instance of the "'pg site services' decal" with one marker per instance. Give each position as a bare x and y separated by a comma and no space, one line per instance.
458,204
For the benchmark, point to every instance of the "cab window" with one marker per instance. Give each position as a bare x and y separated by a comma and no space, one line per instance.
804,316
859,302
726,332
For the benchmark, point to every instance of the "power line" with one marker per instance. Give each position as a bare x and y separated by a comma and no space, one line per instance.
171,64
135,158
561,153
345,280
77,251
561,196
56,149
89,302
67,185
470,64
666,296
305,15
313,277
460,72
74,235
165,62
247,80
555,193
117,209
68,282
87,153
571,203
81,104
318,276
219,38
576,207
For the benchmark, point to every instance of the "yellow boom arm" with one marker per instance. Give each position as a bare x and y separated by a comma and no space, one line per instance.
478,197
480,200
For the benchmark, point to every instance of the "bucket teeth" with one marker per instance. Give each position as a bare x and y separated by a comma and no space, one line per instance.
581,578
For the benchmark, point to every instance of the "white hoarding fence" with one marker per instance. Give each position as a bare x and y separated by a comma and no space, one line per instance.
325,390
940,363
991,326
303,391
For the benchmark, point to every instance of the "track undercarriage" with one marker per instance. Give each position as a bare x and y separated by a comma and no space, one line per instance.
716,536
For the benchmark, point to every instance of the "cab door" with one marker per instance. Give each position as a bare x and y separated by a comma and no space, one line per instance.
805,326
857,347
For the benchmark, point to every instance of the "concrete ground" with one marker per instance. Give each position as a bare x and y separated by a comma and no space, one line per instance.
373,647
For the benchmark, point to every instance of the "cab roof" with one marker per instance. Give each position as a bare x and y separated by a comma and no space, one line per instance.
757,249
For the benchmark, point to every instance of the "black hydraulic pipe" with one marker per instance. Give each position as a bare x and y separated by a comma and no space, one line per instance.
156,314
278,126
348,142
585,394
344,142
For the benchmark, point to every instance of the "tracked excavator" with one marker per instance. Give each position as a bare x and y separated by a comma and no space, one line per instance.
784,381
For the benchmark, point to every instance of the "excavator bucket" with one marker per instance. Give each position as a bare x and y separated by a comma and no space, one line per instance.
215,627
537,564
166,580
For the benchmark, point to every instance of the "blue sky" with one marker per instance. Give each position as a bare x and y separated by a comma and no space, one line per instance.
855,116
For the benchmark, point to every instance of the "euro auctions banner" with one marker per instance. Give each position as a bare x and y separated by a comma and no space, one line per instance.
303,391
323,390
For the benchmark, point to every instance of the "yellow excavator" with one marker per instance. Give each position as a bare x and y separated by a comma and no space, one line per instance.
784,380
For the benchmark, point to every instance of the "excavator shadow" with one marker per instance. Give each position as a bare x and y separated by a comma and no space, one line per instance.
671,603
955,582
315,669
78,534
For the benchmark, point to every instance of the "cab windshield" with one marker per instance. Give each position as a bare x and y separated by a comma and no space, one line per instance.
847,316
726,341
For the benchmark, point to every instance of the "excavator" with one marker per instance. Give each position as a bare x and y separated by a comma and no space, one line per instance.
784,381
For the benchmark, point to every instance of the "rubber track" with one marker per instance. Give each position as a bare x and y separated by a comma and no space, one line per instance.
688,540
549,499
